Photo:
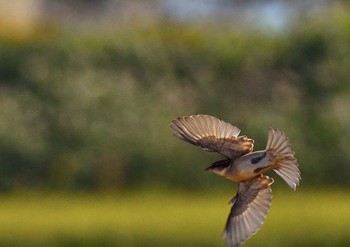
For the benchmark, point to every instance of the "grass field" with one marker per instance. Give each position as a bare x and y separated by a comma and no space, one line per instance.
303,218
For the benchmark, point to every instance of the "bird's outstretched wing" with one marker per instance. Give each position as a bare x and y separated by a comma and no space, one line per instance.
249,210
212,134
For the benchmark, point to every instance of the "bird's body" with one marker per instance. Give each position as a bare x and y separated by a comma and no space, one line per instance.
248,166
252,201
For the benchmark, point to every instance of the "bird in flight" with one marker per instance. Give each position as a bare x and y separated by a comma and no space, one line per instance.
253,199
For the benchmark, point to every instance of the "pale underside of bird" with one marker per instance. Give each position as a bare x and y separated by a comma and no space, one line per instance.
253,199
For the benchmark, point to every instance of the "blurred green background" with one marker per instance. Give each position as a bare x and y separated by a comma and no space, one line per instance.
88,89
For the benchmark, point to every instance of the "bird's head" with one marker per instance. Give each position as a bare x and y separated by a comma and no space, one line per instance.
219,167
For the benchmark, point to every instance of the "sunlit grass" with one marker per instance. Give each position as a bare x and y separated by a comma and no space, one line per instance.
303,218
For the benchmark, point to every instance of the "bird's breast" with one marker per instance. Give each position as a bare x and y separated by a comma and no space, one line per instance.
249,166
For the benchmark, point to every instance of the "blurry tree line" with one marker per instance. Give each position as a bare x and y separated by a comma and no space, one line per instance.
91,111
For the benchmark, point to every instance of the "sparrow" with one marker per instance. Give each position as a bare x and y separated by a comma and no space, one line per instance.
252,201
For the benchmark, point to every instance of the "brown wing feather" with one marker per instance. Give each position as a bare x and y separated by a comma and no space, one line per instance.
212,134
249,210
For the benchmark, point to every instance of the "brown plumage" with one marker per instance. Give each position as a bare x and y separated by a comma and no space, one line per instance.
253,199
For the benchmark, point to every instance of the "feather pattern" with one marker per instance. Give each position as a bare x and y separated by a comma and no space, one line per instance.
249,211
285,164
212,134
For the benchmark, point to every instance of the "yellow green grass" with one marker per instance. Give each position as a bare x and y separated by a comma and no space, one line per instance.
301,218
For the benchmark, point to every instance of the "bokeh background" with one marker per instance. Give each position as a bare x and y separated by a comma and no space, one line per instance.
88,89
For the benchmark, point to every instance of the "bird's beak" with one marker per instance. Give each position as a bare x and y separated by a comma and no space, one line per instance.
209,168
218,166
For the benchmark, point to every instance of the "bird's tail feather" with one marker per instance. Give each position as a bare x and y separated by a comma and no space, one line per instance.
284,162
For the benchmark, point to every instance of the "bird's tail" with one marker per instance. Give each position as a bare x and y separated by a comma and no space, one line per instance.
284,162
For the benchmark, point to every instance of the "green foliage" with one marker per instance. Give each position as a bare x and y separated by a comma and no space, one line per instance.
92,111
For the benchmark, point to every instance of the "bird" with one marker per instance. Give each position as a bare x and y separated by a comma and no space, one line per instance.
244,166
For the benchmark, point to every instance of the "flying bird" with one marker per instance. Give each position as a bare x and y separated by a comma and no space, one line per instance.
253,199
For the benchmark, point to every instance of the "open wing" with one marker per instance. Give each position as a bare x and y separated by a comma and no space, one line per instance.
212,134
249,210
